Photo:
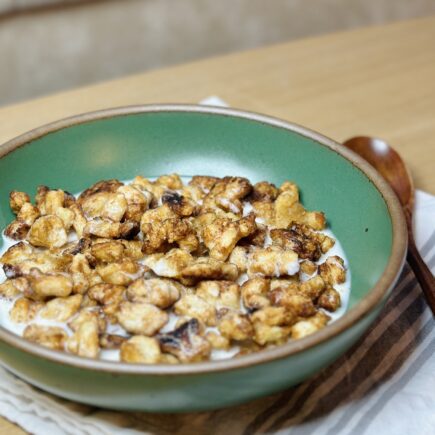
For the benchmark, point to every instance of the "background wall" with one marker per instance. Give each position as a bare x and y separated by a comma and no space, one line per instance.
48,45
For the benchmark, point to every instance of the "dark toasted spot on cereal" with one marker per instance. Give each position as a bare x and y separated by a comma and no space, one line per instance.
172,198
12,271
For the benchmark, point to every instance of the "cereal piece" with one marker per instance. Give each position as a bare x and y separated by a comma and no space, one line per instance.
167,358
226,194
289,283
333,271
17,253
309,326
272,261
326,242
264,191
330,299
17,230
308,267
13,287
28,213
288,209
205,183
171,181
140,349
186,343
50,200
141,318
19,259
48,232
260,237
310,243
48,336
94,278
169,265
266,334
133,249
69,199
273,316
217,341
106,205
235,326
24,310
108,252
17,200
160,237
297,241
221,294
222,235
107,294
61,309
46,285
85,342
102,186
272,324
122,272
80,271
80,264
41,192
153,218
137,202
156,291
195,193
294,301
209,268
112,341
79,221
111,230
87,315
179,204
146,185
314,219
290,188
67,217
313,287
264,212
239,257
193,306
254,293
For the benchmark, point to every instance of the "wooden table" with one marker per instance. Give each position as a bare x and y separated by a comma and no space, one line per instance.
375,81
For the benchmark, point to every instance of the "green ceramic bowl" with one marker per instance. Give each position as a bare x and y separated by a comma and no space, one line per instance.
152,140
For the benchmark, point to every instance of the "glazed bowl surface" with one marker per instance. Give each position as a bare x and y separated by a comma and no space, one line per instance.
362,212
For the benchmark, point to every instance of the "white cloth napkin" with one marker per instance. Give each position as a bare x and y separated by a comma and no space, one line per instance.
385,384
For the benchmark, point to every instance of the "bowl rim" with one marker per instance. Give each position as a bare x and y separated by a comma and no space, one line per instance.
374,297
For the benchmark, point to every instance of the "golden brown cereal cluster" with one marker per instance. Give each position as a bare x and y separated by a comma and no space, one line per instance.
164,272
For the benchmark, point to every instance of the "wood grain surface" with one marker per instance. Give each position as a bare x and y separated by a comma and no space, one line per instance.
377,81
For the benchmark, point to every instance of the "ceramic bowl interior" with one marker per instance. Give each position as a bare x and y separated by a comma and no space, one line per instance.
192,143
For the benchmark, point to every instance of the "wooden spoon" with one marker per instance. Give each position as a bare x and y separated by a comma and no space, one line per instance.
391,166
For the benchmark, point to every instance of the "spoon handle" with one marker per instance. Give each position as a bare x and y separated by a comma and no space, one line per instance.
422,273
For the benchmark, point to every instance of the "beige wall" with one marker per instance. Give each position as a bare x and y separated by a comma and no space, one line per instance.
63,47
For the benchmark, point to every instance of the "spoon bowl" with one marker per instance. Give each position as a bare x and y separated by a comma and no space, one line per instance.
391,166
